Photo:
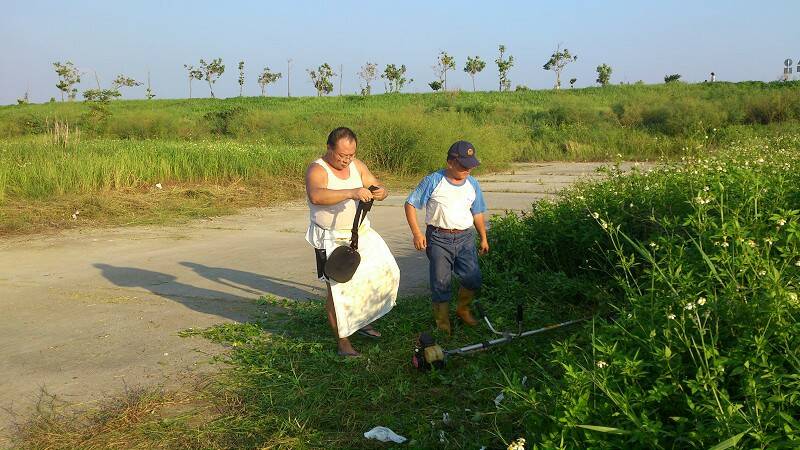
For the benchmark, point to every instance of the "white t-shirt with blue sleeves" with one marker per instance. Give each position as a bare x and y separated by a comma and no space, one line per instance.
448,205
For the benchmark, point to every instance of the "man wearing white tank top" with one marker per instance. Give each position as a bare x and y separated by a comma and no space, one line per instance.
334,185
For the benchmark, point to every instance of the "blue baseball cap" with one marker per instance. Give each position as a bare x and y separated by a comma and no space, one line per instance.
464,152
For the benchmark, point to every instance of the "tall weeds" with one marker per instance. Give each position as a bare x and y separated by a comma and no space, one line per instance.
699,264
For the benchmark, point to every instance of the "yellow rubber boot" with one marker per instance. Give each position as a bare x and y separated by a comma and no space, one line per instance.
465,297
441,312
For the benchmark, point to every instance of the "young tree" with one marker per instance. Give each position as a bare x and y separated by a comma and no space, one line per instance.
473,67
68,76
24,99
558,60
368,73
211,71
241,77
444,63
672,78
267,78
194,74
149,92
572,82
98,100
123,81
503,66
435,85
101,95
396,77
603,74
321,79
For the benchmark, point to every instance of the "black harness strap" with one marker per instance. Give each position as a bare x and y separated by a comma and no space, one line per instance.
361,214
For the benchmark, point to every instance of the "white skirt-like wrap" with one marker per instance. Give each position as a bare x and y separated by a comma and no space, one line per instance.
372,292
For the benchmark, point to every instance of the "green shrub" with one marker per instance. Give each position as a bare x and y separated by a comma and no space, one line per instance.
700,264
771,108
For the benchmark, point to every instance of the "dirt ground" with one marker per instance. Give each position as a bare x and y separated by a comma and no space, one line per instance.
87,312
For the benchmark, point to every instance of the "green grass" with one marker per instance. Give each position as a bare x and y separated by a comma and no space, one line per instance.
701,262
262,141
692,270
284,387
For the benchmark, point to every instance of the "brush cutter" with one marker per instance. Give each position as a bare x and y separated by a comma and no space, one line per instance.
427,353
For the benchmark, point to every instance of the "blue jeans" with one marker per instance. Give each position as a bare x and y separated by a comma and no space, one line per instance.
449,253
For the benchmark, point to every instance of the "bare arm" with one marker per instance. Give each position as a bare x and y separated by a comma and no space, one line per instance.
480,225
368,179
420,243
318,194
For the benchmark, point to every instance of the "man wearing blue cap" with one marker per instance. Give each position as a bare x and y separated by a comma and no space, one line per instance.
453,203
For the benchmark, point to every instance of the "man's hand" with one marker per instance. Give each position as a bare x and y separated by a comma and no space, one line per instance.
380,193
483,248
362,194
420,243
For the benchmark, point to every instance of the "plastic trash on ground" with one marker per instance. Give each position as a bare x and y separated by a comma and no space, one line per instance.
384,434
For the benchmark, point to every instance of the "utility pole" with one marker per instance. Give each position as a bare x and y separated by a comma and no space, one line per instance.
341,69
288,76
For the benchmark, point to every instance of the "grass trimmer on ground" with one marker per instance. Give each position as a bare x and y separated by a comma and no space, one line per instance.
427,353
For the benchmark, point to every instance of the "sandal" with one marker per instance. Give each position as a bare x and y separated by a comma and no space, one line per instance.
353,354
369,332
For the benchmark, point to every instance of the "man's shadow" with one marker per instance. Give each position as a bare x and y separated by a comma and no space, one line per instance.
256,284
199,299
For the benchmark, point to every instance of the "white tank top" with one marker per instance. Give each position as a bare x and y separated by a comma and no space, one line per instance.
338,216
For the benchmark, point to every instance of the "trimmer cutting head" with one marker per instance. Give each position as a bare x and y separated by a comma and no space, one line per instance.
427,353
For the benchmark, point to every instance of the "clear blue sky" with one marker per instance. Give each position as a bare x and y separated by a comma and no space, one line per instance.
641,40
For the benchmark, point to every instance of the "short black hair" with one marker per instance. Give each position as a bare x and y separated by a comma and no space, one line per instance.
341,133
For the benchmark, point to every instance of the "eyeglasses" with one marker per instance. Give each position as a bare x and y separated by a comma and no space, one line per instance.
344,157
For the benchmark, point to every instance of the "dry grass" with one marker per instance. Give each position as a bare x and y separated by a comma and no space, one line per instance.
130,420
169,205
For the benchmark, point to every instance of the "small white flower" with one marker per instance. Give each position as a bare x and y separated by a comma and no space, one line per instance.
595,215
689,306
706,188
518,444
630,206
782,222
601,364
158,185
724,244
604,224
701,301
671,317
797,263
751,244
768,241
653,244
762,273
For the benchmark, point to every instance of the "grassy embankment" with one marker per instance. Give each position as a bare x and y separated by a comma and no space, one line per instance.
699,262
213,156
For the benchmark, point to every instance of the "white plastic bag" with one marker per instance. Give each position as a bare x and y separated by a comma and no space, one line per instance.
384,434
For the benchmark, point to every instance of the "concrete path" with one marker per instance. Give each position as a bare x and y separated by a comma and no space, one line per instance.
86,312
